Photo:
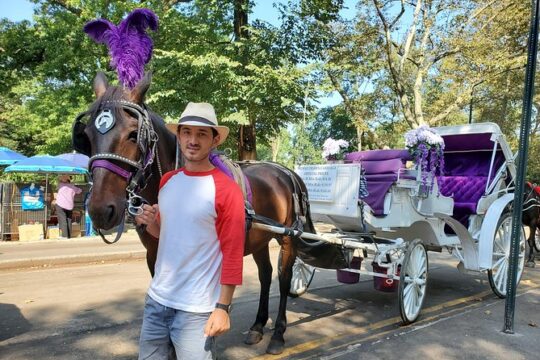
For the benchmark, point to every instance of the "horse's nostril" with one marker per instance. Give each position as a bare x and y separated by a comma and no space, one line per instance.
111,211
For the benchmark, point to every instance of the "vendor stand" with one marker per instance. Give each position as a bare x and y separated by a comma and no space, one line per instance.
7,157
31,205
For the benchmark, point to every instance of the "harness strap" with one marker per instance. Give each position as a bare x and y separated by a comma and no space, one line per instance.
107,156
119,229
112,167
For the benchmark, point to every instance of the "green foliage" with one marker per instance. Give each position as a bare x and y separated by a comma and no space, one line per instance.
457,49
49,66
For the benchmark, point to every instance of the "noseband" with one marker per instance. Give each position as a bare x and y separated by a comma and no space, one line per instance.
147,140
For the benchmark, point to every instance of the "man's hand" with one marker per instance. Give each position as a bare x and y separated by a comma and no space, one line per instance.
218,323
149,217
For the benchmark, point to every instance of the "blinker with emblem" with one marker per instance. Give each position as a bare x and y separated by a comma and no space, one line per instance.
105,121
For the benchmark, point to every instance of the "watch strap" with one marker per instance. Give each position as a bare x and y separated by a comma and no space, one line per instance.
225,307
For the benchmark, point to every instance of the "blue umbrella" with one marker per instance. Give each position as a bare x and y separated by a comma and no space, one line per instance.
80,160
8,156
46,164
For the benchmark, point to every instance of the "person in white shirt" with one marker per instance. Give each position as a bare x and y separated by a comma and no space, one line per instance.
200,223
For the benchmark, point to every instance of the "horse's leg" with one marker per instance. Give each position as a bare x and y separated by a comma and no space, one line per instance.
288,255
530,260
530,242
262,258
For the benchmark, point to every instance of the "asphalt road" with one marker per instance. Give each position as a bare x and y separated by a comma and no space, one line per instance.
94,312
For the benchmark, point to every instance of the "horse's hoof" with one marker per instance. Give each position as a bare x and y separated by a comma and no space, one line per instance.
275,347
530,264
253,337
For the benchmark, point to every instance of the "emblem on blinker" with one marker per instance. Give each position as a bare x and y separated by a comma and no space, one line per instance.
105,121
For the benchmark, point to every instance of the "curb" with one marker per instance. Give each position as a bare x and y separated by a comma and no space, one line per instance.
71,259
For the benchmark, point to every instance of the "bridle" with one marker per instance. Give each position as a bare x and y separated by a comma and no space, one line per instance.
147,140
531,199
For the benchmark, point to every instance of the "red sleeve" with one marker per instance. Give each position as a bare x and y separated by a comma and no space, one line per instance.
230,228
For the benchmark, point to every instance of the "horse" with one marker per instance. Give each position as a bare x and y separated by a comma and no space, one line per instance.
128,158
531,218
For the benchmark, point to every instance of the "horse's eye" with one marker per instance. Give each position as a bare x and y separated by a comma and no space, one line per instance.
133,136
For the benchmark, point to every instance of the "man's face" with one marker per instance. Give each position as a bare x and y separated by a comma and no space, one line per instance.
196,142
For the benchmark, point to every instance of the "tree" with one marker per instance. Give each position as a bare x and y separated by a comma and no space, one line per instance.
48,82
443,54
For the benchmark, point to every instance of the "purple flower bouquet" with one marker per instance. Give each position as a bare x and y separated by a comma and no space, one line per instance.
426,147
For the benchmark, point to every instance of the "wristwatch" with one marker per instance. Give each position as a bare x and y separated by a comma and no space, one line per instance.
225,307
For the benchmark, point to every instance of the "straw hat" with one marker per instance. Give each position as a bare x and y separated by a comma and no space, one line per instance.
200,114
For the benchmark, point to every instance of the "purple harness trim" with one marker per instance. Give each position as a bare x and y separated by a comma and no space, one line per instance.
112,167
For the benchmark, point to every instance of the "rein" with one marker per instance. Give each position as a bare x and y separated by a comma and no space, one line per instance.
137,179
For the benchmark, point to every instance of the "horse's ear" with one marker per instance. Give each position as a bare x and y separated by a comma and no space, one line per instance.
139,91
100,84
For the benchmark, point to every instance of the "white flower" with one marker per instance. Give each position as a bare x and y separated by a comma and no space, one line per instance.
422,134
333,147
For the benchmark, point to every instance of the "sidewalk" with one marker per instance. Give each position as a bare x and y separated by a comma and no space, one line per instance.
17,255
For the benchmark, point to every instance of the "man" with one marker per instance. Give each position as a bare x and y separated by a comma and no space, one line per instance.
200,226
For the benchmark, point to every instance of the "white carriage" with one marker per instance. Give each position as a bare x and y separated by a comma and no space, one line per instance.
468,213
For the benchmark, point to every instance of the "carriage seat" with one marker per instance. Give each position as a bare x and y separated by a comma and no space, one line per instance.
381,169
466,192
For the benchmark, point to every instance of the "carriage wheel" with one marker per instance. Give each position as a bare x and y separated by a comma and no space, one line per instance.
413,281
302,275
537,240
498,274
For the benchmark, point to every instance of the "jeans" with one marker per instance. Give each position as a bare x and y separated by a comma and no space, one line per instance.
64,221
165,329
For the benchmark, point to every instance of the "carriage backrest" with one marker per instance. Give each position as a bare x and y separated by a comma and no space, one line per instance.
380,161
381,169
472,156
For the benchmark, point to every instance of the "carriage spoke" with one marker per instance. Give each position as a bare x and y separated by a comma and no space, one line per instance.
502,278
499,262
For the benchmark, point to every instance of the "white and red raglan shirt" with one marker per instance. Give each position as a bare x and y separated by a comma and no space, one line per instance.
201,240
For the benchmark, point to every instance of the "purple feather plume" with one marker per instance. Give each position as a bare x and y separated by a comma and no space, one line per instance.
129,45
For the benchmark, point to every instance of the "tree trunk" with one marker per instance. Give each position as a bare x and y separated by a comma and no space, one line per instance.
246,135
276,144
247,143
359,134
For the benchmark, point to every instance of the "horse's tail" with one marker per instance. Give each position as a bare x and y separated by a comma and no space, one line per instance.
304,204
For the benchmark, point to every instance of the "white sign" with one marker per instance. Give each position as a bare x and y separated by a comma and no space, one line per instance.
319,180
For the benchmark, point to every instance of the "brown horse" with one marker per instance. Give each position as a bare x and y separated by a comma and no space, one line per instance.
130,148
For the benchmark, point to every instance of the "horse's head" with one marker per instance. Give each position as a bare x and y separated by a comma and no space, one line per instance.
119,138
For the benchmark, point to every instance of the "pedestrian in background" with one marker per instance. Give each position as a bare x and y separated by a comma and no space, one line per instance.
65,202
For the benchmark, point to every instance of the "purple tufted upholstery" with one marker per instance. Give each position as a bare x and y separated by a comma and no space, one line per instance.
466,192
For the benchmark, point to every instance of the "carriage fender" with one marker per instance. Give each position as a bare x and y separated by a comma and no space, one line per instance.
489,226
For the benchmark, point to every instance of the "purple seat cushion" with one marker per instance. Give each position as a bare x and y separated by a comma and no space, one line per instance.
381,170
390,166
466,192
463,189
377,155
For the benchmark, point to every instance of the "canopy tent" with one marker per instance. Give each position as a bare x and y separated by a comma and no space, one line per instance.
8,156
46,164
79,160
